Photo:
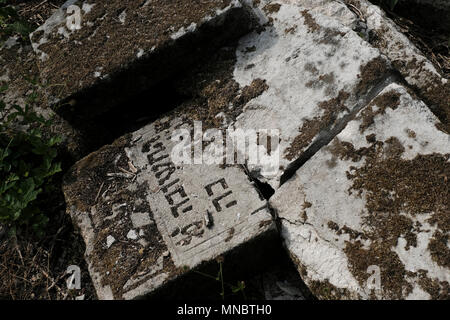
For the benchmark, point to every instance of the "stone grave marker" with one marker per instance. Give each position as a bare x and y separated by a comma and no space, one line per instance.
20,75
147,220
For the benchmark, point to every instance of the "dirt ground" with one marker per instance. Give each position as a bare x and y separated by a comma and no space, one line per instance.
35,268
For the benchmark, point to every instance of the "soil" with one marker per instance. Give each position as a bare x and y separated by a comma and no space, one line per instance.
310,22
213,90
438,290
371,74
272,8
311,128
388,100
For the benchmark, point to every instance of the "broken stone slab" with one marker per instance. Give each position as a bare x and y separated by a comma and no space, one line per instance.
316,70
417,70
147,221
96,54
19,73
367,216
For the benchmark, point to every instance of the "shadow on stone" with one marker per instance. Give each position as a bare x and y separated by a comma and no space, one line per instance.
254,263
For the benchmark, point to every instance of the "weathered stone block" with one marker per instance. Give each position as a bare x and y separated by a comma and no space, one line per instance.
146,220
368,215
96,54
316,68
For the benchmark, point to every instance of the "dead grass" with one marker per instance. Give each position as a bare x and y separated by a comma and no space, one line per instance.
36,11
32,268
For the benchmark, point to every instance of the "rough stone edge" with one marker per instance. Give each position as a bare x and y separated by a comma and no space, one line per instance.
407,59
236,20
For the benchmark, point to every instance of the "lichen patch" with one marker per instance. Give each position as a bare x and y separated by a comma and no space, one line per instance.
389,99
312,127
394,189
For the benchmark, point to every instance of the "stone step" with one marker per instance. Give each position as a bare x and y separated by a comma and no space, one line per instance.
316,70
367,216
96,54
146,220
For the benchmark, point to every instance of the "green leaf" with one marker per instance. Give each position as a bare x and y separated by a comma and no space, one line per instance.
27,164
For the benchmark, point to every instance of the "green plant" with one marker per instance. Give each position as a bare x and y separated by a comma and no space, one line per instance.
27,164
11,23
235,289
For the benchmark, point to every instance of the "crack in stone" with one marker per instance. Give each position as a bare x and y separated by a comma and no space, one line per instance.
328,134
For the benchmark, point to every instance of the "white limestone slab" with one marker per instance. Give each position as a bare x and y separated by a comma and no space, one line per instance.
373,202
